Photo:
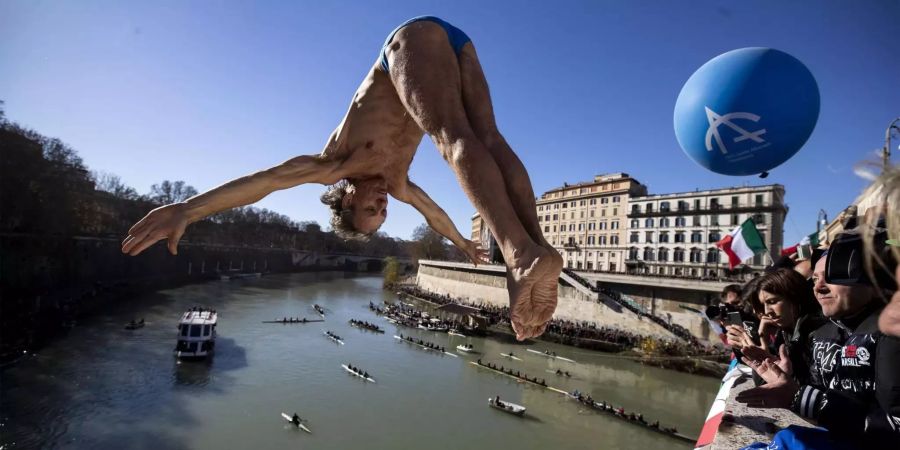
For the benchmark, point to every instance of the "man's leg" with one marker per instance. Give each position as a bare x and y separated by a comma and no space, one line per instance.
480,111
425,72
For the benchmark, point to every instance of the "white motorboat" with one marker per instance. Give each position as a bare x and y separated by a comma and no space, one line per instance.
506,406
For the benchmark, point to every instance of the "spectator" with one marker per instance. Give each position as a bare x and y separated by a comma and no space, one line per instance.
854,390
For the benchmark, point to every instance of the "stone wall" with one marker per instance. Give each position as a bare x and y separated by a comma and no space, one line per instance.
487,284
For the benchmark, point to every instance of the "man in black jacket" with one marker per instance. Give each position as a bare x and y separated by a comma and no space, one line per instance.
854,390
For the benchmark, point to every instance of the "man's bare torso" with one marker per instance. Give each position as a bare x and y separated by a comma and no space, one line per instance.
377,137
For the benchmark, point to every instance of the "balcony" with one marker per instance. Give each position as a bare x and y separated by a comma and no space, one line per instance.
710,209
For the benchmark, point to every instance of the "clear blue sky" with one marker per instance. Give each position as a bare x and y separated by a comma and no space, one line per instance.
205,91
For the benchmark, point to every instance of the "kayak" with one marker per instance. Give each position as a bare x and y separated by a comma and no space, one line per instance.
333,338
299,425
550,356
507,355
354,373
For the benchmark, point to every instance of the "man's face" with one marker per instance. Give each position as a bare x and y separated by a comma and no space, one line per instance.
369,203
836,300
731,298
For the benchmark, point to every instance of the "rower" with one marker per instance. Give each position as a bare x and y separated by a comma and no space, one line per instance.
568,374
498,402
366,374
296,419
559,372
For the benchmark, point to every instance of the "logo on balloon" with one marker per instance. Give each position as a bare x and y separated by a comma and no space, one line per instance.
715,120
746,111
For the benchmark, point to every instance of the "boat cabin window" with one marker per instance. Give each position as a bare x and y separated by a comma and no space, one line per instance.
184,329
206,330
195,330
193,347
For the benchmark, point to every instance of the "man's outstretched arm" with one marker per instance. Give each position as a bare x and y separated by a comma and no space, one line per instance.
440,222
170,221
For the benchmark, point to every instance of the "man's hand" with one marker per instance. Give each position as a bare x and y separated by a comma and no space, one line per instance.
475,253
165,222
778,392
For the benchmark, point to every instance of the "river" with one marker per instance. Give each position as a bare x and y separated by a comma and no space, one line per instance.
102,386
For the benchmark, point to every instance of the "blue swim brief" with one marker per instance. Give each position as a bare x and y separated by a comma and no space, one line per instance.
457,37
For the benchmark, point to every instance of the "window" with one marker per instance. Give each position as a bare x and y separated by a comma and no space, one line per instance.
634,238
712,255
581,215
547,217
696,236
664,222
592,213
540,218
714,236
547,229
554,228
663,254
565,205
592,226
714,220
759,200
759,219
590,265
603,213
593,201
195,330
680,222
714,203
734,201
664,206
697,221
616,199
603,225
735,219
615,225
679,236
581,226
649,254
572,204
602,240
633,253
581,203
615,211
604,201
556,217
696,255
571,227
206,330
648,236
184,330
635,223
663,237
648,223
590,240
635,209
614,239
649,207
678,255
697,204
682,205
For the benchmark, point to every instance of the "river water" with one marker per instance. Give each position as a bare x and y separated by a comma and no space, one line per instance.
105,387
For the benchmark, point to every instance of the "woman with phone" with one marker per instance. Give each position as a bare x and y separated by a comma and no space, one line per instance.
789,313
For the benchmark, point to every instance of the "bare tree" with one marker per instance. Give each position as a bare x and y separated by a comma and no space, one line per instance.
108,182
169,192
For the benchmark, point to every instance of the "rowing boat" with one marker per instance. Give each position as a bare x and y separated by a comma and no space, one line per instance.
299,425
550,356
363,327
601,407
463,348
505,406
424,346
288,322
333,338
507,355
455,333
357,374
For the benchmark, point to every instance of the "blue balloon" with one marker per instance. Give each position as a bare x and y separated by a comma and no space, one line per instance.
746,111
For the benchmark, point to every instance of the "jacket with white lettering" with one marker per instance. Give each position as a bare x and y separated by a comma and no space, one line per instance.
854,387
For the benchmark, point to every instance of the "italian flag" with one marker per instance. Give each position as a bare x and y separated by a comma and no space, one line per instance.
812,240
742,243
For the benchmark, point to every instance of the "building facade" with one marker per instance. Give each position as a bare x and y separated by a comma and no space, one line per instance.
587,222
676,234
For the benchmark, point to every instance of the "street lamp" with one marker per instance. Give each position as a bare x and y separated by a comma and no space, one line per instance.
822,220
886,152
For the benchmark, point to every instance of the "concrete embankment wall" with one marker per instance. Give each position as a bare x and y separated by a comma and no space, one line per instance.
487,284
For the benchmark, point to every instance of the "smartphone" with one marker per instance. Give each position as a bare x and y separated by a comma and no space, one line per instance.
804,252
734,318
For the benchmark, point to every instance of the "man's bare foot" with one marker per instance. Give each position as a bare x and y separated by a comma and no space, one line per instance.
544,295
526,315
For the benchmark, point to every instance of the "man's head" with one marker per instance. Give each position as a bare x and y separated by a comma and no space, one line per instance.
358,207
839,301
731,295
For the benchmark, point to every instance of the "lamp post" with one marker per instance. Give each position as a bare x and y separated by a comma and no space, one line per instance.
886,152
822,220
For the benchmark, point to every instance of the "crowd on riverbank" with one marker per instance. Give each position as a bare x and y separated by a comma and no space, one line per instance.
569,332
